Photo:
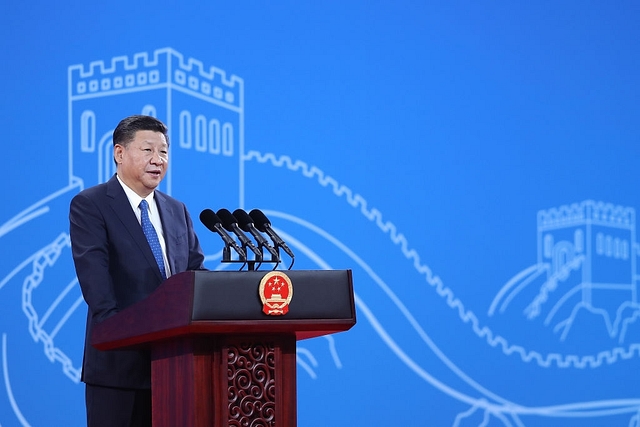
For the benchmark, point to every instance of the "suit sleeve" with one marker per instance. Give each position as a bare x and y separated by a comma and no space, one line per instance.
196,256
90,249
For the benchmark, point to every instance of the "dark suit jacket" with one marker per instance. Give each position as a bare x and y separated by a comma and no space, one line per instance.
115,268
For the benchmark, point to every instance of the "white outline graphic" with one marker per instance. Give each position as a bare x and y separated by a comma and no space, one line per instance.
204,109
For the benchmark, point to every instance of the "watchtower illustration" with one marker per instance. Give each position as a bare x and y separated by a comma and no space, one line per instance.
202,107
590,249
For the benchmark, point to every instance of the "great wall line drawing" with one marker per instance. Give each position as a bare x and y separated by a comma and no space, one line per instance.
158,75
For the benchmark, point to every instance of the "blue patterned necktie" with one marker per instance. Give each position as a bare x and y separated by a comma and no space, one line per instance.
152,236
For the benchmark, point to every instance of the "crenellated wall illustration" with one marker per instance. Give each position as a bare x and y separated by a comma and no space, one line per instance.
203,108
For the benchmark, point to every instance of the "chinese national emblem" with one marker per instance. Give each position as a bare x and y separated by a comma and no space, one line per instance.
276,292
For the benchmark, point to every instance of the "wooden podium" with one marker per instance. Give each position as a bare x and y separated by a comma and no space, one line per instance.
216,358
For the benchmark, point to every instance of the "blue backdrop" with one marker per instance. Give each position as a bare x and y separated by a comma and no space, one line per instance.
474,164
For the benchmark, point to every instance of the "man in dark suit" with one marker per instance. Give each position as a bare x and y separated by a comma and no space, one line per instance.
117,267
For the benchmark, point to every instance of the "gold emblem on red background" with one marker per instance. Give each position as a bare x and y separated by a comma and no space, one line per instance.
276,292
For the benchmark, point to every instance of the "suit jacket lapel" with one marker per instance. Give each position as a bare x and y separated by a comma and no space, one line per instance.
167,216
122,208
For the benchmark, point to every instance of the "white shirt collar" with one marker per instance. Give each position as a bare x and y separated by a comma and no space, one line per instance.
135,199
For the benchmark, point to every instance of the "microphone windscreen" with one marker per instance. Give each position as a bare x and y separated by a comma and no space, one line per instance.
209,219
259,219
227,219
243,219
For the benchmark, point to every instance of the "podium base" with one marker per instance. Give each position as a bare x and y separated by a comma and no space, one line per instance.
225,381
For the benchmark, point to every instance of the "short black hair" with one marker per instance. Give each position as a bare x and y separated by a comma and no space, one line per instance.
126,130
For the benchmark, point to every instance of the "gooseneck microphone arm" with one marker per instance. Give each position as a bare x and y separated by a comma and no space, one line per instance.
213,223
230,223
263,224
246,224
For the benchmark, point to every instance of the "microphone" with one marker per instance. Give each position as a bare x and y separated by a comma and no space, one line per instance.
246,224
263,224
230,223
213,223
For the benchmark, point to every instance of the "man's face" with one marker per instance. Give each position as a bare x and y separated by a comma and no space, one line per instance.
143,163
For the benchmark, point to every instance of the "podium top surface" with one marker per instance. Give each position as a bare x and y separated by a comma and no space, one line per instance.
320,302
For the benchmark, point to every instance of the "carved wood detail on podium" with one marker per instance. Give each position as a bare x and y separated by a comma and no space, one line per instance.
260,386
251,368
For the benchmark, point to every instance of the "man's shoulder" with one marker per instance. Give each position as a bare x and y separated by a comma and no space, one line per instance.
98,190
102,191
165,198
